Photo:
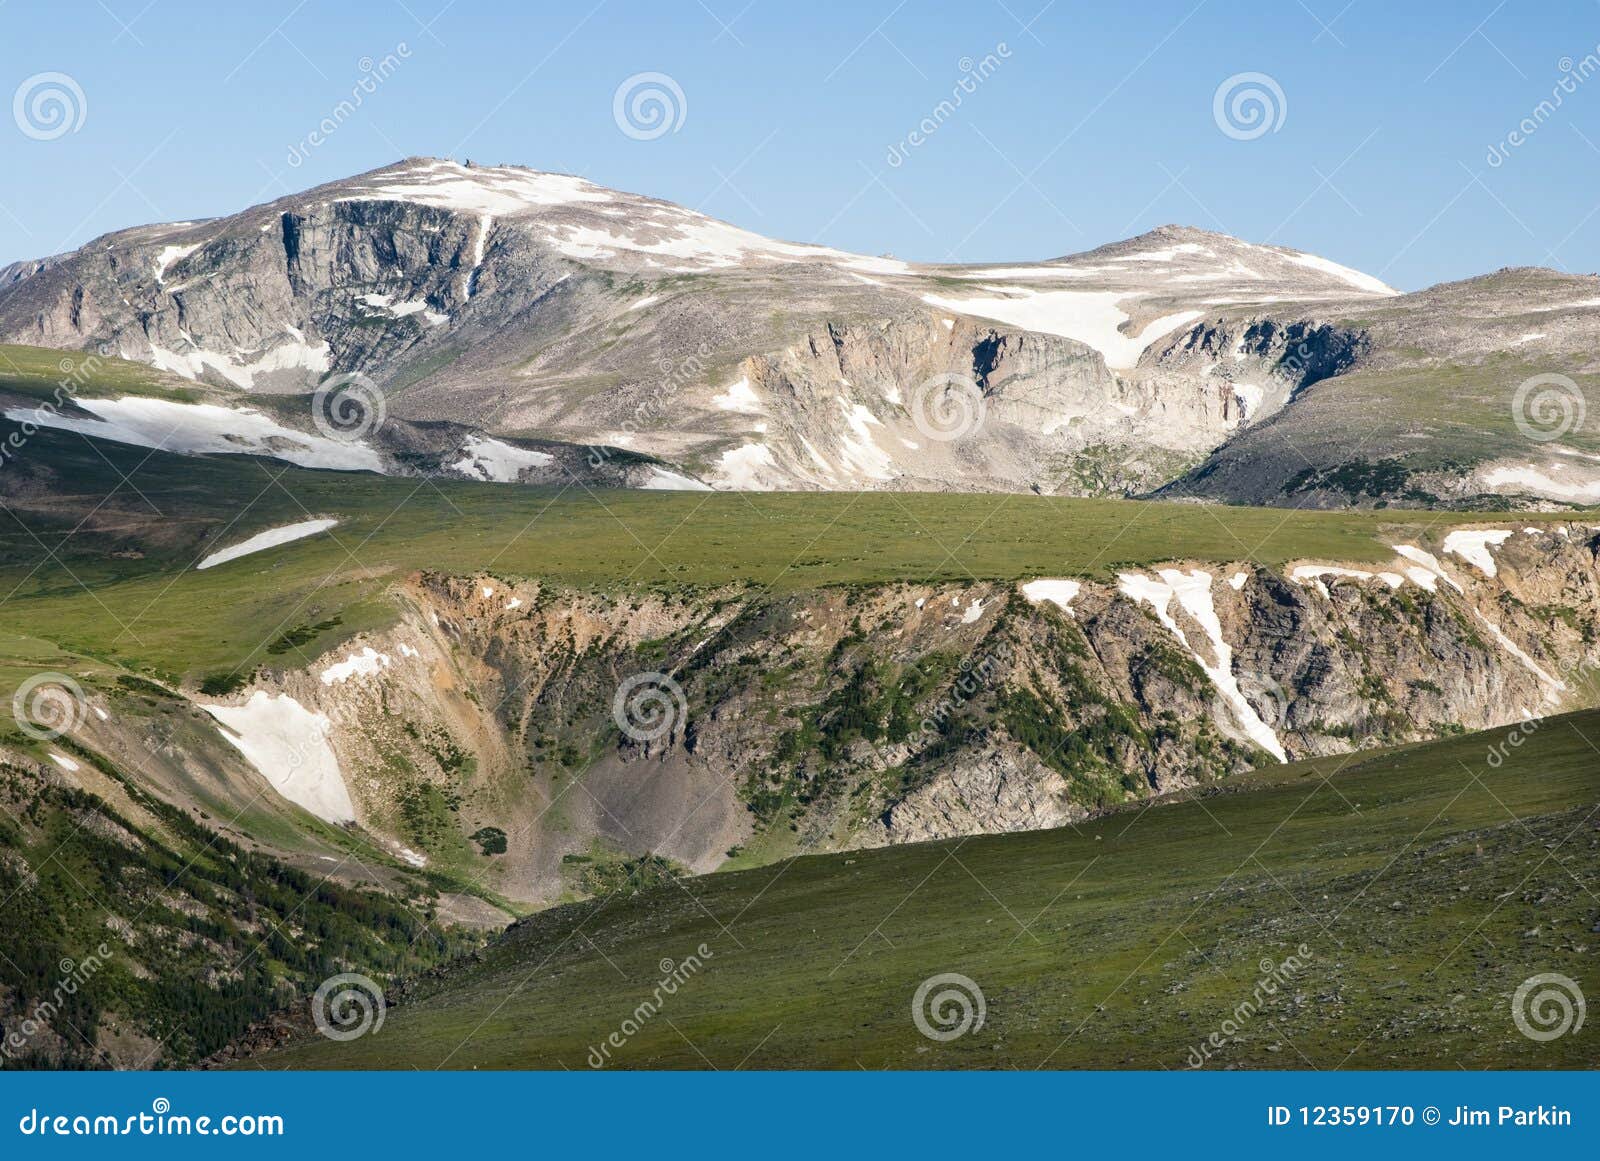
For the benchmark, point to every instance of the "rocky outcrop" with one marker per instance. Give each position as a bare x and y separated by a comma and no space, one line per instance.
528,737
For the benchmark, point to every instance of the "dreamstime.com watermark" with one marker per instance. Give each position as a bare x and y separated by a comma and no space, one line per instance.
348,407
160,1121
1273,977
1546,407
973,75
1548,1006
947,1006
49,105
43,1015
673,977
348,1006
649,706
373,75
948,407
1249,105
48,705
649,105
1573,74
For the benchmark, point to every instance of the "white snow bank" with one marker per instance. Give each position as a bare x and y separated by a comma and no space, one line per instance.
497,462
1531,479
1193,593
743,467
170,254
1553,686
1091,317
662,480
271,538
861,451
1060,593
1354,277
1428,565
501,191
1315,572
288,745
241,365
383,303
739,396
1472,545
64,762
362,664
202,428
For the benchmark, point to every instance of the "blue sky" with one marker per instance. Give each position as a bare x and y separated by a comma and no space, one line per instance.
1096,121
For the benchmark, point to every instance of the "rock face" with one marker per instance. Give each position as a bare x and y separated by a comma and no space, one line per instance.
540,737
517,303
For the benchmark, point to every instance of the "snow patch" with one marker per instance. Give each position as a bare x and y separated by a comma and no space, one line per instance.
383,303
241,367
861,451
742,467
271,538
1060,593
202,428
1354,277
1427,563
288,745
489,191
662,480
1193,592
1093,318
362,664
170,254
1472,545
64,762
739,396
1553,686
1314,572
496,462
1530,479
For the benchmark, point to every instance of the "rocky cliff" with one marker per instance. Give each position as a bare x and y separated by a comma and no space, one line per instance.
537,740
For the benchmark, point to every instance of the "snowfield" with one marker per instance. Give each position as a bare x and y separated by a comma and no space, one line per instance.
202,428
1091,317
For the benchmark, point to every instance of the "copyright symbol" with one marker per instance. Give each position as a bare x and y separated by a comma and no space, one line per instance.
1430,1116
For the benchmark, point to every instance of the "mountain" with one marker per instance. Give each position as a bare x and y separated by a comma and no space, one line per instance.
507,314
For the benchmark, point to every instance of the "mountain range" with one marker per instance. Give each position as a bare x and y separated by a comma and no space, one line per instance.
535,327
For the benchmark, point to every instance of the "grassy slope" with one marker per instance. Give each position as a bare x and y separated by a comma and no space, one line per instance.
1426,884
156,613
